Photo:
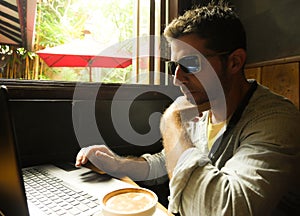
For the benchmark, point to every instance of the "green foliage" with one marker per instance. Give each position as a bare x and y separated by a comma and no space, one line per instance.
22,52
5,50
60,21
68,75
121,16
57,22
117,75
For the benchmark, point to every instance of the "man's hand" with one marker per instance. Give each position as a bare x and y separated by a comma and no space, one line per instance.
173,127
104,159
101,157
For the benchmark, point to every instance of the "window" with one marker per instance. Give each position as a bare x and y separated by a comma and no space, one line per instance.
135,23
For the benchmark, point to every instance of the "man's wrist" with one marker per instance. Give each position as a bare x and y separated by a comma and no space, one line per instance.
136,168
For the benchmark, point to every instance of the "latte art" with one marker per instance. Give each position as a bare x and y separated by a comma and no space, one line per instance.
129,202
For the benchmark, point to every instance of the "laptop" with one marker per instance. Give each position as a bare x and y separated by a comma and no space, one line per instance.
21,188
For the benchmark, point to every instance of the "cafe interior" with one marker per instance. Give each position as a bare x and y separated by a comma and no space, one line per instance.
43,110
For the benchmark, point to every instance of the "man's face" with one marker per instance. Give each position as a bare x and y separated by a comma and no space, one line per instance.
203,85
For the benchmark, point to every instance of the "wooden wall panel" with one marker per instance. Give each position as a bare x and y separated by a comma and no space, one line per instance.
281,76
283,79
253,73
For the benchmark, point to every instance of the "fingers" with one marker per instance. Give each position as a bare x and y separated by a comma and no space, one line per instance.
81,158
84,154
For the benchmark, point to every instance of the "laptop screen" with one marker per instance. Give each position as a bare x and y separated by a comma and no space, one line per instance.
12,193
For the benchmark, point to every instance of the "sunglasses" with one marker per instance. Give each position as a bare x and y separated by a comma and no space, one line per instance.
190,64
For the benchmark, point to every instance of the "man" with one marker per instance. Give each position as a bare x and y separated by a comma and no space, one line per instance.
241,156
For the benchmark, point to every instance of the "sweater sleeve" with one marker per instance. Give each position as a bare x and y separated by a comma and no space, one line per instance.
157,168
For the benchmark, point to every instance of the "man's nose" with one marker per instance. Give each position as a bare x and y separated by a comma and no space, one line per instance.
179,77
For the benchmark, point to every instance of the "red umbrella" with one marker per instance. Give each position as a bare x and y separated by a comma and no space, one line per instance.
86,53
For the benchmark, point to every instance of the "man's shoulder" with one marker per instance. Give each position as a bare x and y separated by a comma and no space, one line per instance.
270,108
264,99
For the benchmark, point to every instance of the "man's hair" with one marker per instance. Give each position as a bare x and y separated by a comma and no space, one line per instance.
216,22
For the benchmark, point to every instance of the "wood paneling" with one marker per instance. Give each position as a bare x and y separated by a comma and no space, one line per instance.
253,73
282,78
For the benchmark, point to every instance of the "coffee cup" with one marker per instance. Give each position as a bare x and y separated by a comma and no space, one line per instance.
129,202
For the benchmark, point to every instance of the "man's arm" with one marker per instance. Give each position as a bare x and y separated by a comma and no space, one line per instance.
253,180
173,126
136,168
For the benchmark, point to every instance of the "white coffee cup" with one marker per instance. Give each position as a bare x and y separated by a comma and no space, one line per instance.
129,202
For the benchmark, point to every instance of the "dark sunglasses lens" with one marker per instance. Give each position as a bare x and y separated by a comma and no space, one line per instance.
191,64
172,67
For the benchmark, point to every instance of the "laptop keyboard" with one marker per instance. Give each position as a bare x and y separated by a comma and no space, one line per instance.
55,197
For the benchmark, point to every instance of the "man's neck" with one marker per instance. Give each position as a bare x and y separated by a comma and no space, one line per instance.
233,99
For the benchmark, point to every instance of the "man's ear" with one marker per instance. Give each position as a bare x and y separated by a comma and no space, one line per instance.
237,60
